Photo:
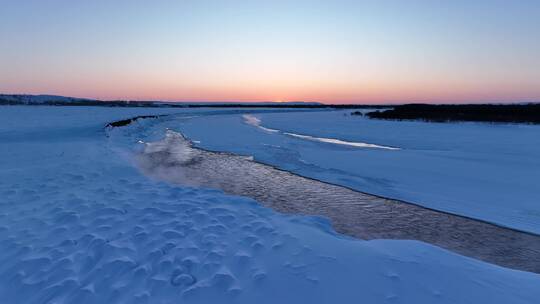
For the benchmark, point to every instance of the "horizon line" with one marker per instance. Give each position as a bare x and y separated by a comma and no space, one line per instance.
229,101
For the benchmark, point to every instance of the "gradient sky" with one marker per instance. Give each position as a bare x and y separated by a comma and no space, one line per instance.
330,51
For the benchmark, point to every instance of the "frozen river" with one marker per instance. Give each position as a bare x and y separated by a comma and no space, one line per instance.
352,213
489,172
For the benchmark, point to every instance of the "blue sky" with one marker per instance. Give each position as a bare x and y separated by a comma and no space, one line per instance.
330,51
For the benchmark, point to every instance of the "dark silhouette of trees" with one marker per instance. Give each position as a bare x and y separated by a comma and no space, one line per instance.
512,113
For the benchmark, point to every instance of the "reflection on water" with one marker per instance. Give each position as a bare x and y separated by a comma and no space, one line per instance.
353,213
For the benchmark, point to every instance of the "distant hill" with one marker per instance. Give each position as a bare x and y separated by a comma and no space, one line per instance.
61,100
38,99
53,100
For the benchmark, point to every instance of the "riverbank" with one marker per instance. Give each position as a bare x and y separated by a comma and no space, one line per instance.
360,215
80,224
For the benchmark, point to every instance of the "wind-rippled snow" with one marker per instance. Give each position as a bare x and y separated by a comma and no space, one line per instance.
79,224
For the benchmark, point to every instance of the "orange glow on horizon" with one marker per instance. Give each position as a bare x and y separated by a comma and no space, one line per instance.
324,51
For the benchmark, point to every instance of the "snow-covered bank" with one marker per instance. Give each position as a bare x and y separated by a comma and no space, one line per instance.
174,159
79,224
484,171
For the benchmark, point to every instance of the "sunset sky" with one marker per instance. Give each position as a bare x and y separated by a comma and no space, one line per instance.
328,51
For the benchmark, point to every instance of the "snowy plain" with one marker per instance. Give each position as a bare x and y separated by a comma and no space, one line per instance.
489,172
79,224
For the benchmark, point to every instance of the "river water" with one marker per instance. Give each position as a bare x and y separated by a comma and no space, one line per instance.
353,213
